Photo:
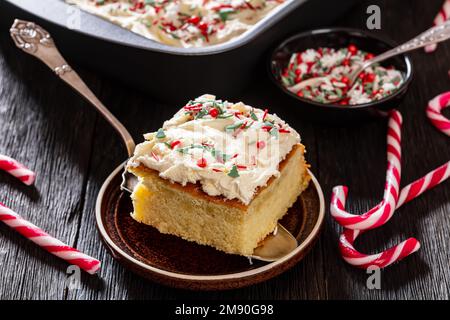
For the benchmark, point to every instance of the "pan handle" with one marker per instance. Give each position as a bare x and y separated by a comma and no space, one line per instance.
36,41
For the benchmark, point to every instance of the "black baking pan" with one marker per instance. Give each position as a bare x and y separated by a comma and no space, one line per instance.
168,73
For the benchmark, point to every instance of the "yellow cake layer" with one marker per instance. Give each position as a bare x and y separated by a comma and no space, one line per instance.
227,225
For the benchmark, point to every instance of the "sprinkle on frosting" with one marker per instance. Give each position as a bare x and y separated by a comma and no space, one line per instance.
231,151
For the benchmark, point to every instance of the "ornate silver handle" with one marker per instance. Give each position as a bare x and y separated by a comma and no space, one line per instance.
36,41
431,36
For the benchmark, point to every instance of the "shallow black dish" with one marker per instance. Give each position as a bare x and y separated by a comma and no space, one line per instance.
339,38
168,73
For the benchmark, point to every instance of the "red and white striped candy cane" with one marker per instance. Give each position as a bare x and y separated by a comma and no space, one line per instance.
407,247
430,180
380,260
434,112
47,242
381,213
17,169
440,18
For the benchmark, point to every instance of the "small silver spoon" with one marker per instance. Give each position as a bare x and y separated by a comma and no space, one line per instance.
431,36
36,41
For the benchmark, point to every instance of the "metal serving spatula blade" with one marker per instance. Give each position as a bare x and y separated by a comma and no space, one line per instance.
129,181
278,244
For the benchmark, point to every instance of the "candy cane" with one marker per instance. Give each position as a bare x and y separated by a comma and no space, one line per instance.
430,180
373,218
380,260
407,247
434,112
47,242
381,213
440,18
32,232
17,170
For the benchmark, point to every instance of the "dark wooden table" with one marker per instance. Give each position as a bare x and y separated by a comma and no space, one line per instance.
49,128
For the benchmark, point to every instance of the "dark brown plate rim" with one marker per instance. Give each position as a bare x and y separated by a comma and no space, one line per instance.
305,245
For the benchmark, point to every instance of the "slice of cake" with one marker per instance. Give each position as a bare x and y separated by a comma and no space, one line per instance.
218,173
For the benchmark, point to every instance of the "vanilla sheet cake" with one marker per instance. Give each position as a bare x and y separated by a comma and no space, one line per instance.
219,174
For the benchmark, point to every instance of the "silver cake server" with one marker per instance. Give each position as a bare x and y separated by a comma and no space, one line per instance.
36,41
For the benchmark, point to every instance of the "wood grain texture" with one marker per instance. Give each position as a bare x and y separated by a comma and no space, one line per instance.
46,126
42,126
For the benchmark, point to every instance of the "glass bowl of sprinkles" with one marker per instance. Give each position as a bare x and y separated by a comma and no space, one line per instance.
330,55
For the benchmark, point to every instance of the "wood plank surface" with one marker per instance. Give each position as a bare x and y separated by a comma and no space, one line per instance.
50,129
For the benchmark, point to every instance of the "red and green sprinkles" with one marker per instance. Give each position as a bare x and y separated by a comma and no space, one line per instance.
335,65
246,117
189,25
201,109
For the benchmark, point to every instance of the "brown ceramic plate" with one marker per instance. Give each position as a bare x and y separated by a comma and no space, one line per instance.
172,261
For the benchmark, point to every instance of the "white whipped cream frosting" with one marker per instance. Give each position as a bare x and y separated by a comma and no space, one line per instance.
231,152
